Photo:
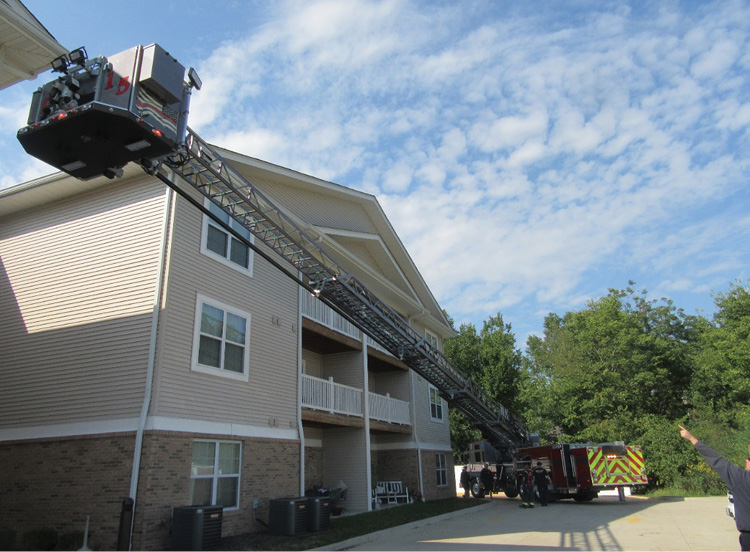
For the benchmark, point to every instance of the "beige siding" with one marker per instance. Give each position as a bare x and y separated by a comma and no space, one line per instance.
346,460
428,430
76,293
395,383
317,209
345,368
313,363
269,398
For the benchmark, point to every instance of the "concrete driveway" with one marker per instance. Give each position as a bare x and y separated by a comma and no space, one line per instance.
603,524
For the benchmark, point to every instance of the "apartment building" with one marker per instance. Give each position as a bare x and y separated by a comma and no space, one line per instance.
148,353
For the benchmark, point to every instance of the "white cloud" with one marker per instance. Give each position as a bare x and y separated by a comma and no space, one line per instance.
715,62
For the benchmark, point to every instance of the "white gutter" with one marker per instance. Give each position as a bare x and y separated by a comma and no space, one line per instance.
366,412
414,430
168,199
299,394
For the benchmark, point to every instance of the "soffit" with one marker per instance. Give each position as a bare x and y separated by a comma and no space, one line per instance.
26,47
51,188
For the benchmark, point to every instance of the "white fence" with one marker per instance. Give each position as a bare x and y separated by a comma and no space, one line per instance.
315,309
387,409
321,394
332,397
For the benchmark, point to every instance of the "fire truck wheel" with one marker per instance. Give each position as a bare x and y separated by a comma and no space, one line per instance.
476,490
586,497
511,493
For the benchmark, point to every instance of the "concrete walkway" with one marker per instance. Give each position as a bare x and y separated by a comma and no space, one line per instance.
603,524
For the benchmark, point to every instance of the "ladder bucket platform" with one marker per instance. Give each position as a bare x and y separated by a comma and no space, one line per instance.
94,140
103,113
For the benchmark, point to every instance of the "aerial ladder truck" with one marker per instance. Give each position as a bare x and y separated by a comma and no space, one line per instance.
102,113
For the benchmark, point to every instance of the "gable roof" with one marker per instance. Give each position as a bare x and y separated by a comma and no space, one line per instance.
353,229
26,47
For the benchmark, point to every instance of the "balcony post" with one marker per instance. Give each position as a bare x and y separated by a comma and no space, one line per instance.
332,395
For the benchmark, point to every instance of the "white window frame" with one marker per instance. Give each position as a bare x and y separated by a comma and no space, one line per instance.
433,392
441,469
216,475
220,258
432,338
205,369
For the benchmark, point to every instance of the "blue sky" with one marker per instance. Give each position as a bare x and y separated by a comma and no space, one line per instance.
530,155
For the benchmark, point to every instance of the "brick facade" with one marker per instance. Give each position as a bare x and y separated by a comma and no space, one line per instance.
314,467
269,469
403,465
429,473
57,483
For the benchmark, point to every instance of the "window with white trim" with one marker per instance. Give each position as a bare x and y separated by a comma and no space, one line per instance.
215,474
222,339
432,338
436,405
441,469
222,246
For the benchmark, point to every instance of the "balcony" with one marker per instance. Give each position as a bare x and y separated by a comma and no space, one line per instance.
316,310
342,400
324,331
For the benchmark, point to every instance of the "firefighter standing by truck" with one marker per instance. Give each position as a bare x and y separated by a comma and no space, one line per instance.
541,478
487,479
527,489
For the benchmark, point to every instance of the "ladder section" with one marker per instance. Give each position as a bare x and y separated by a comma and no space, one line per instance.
203,168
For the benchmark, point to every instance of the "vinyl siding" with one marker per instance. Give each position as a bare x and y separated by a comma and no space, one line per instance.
317,209
346,460
76,298
269,398
313,363
428,430
395,383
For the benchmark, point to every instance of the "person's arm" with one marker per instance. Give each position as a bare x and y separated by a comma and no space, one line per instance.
728,472
685,434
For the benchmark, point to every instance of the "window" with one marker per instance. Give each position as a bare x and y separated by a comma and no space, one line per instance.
432,338
442,470
222,338
436,405
221,245
215,474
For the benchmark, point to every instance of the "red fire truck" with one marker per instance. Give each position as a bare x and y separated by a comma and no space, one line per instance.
578,471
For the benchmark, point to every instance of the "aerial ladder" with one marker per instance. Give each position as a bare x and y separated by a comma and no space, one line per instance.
103,113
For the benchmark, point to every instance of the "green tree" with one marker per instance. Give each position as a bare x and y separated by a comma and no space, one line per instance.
722,376
597,369
491,359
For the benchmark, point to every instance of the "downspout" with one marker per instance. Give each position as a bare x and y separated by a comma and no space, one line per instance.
169,197
416,437
366,413
299,394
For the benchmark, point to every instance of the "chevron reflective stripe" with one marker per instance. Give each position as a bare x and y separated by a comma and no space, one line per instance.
637,465
635,456
596,463
616,470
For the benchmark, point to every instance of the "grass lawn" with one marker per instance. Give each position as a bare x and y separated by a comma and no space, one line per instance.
346,527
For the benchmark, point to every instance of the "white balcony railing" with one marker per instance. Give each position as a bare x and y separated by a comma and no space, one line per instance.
316,310
332,397
325,395
387,409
